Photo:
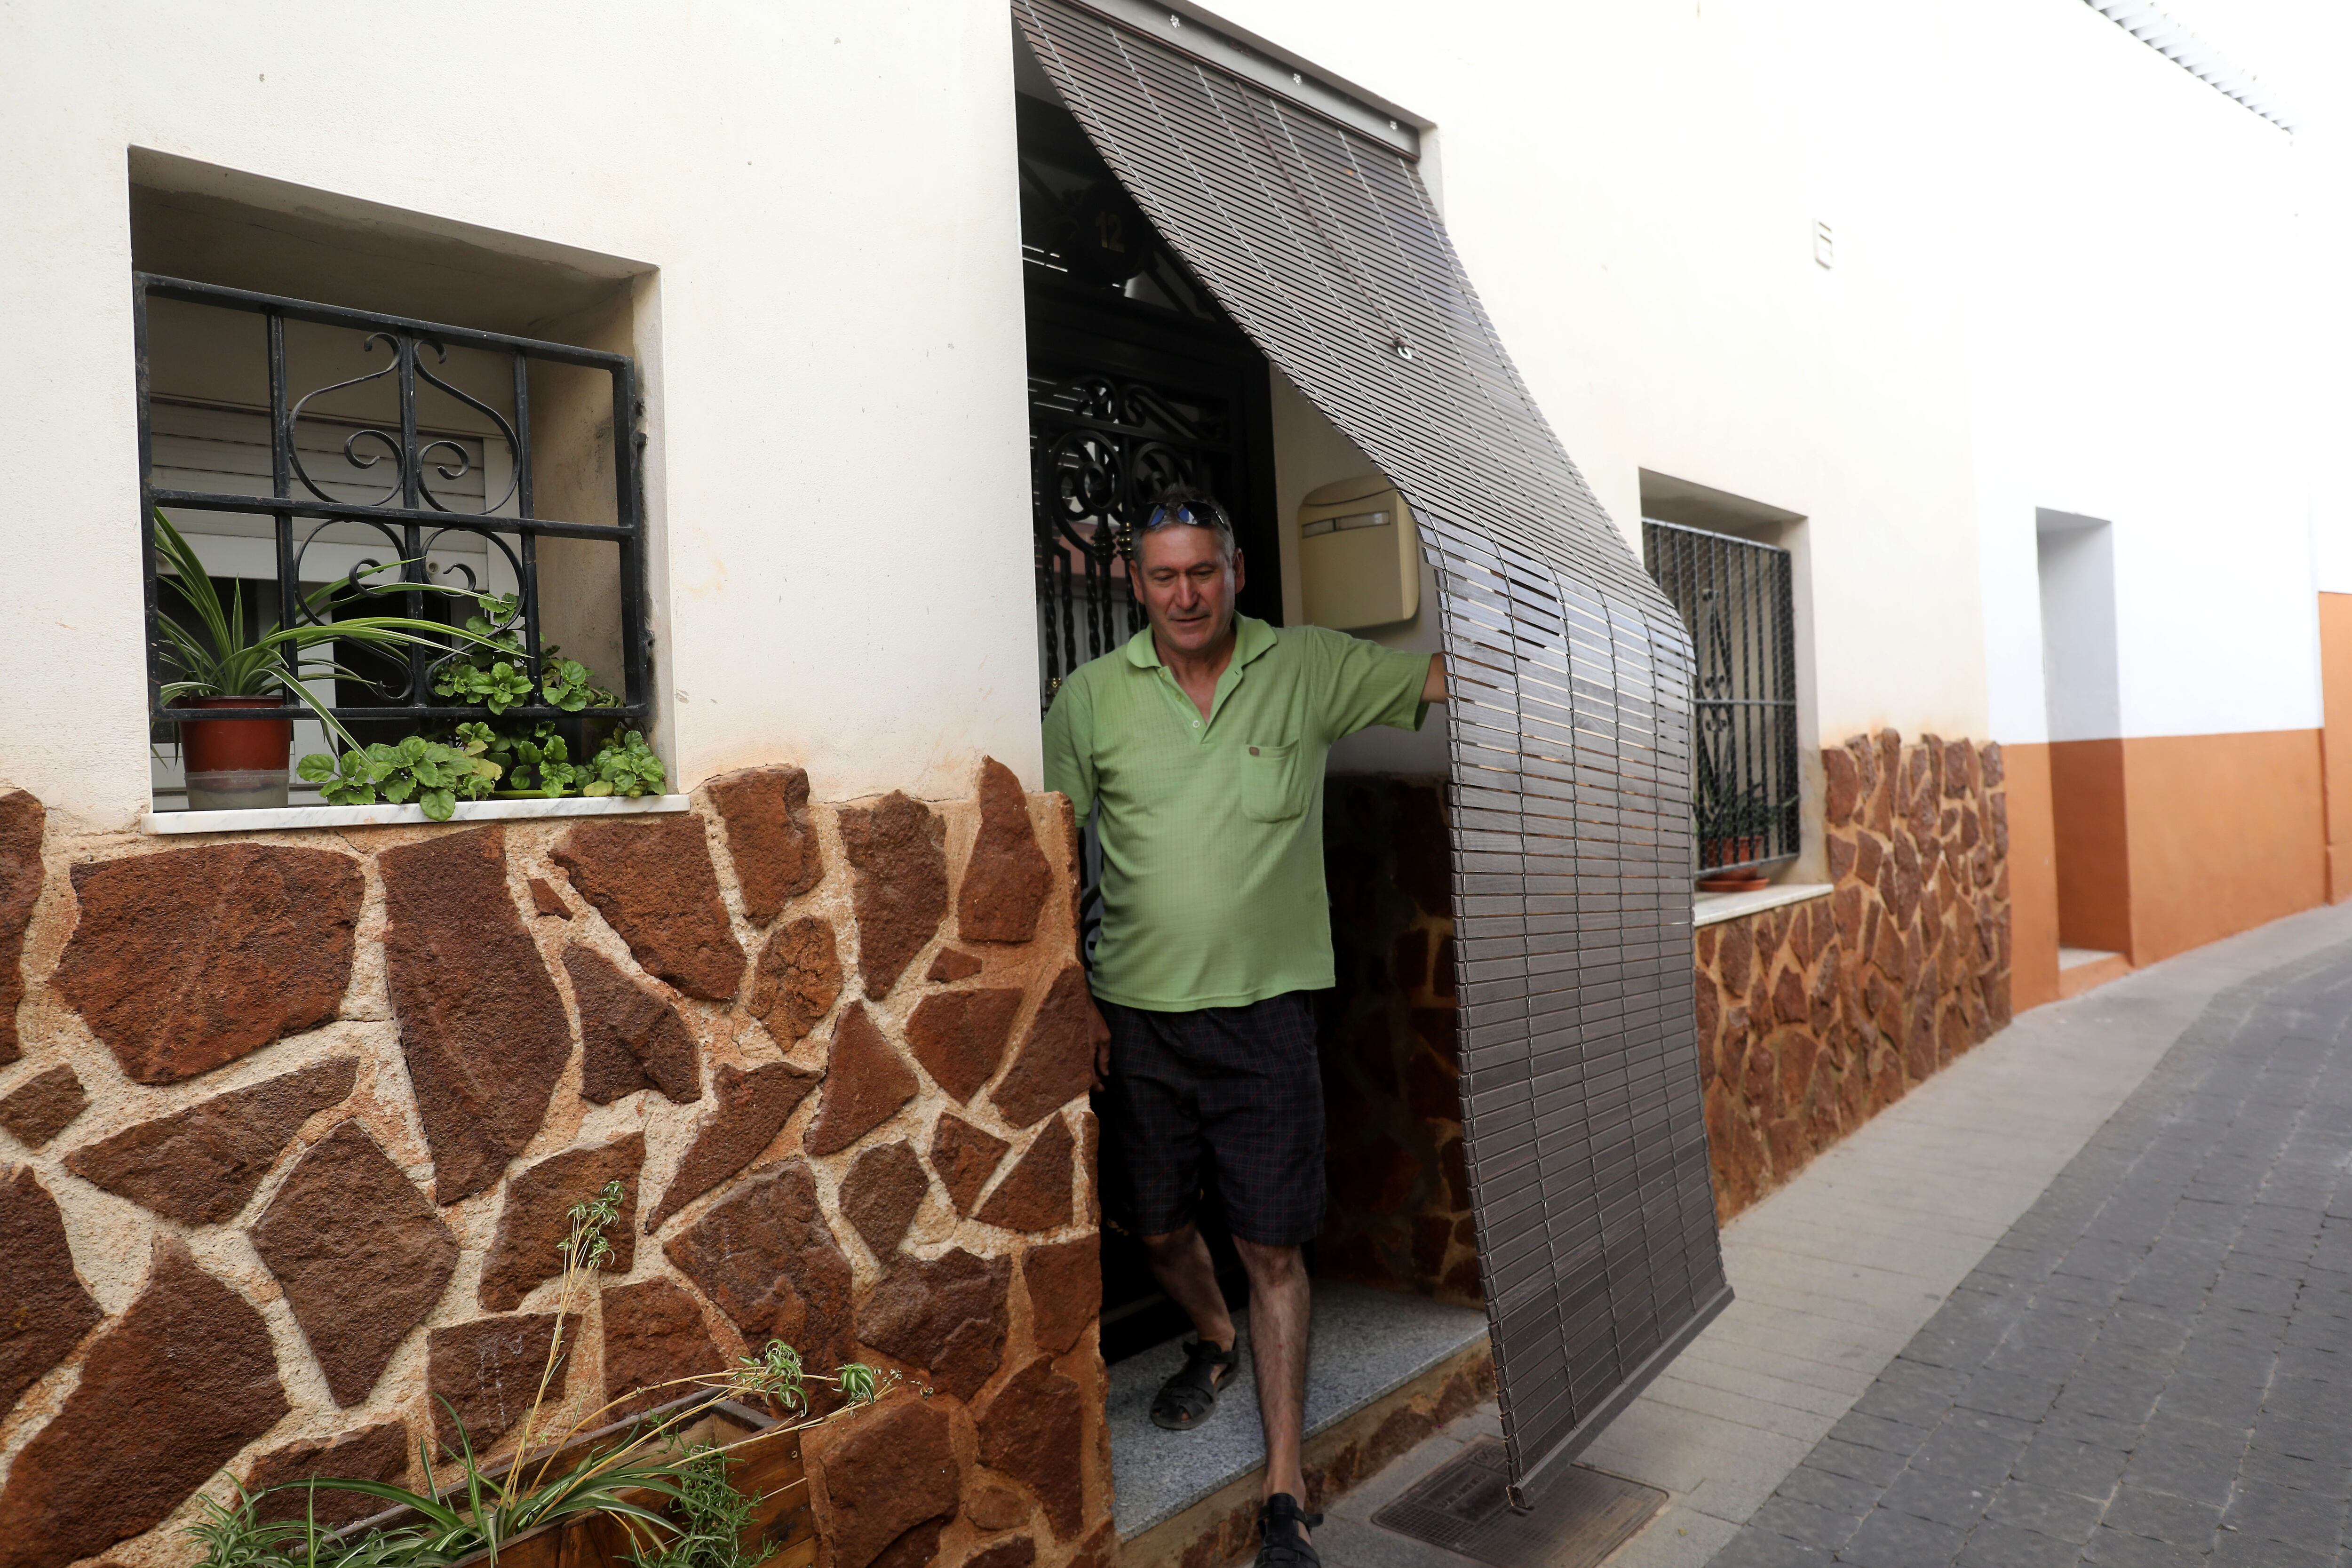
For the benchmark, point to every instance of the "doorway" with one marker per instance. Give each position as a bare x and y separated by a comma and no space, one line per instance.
2075,563
1136,382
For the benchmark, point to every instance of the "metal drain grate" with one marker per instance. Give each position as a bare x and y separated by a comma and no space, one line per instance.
1464,1507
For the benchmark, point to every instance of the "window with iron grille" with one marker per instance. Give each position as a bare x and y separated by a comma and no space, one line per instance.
324,463
1736,596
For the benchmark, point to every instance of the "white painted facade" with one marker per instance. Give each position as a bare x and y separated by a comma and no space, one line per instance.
814,208
2064,275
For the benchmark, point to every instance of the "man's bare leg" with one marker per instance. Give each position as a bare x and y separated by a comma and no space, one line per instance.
1279,1307
1181,1262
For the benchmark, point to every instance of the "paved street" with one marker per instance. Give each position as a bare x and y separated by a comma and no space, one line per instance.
2154,1365
1905,1280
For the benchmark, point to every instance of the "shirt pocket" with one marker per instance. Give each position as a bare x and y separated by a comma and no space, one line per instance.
1270,790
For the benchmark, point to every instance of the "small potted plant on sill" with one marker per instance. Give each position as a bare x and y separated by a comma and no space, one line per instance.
1734,829
497,755
219,661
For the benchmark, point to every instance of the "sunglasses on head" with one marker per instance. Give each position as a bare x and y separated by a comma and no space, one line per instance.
1181,513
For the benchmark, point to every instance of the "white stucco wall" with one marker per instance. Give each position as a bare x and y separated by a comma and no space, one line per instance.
2143,354
2067,275
2063,273
824,198
1633,188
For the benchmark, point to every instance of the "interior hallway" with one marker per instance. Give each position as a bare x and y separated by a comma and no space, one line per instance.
1838,1272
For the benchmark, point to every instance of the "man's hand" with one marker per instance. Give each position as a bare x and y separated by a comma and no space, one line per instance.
1100,1032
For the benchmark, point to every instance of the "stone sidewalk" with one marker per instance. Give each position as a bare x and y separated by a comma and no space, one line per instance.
2154,1366
1886,1293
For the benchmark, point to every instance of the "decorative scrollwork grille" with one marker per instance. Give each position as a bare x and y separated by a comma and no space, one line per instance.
1102,447
396,489
1738,597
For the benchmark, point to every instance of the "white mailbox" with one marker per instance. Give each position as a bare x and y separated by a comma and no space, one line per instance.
1359,556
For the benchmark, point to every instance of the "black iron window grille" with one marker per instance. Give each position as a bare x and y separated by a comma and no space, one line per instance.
1737,597
399,483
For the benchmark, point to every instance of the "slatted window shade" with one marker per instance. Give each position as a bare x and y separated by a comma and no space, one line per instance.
1570,725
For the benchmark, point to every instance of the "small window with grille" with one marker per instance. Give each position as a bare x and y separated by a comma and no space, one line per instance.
1736,596
427,541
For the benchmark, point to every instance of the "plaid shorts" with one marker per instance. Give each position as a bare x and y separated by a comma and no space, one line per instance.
1238,1089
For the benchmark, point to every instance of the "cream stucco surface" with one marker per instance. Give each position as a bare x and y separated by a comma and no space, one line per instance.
816,205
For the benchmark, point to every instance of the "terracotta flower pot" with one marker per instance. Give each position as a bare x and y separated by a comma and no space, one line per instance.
1729,851
234,765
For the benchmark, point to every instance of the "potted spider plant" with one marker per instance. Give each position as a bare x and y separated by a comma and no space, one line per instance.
216,660
579,1487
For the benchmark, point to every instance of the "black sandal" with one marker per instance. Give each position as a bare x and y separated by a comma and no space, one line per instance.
1279,1544
1188,1396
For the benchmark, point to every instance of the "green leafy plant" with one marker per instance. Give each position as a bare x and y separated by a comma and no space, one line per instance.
494,670
567,684
626,766
710,1517
220,656
538,762
433,775
685,1526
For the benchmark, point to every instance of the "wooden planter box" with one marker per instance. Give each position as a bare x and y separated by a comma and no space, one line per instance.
770,1470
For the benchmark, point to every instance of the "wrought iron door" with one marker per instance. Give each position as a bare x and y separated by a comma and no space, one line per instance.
1120,406
1103,442
1137,381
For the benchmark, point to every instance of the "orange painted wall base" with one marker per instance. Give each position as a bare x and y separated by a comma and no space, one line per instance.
2151,846
2032,878
2336,740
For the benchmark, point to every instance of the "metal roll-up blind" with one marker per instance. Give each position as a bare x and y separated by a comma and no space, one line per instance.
1570,722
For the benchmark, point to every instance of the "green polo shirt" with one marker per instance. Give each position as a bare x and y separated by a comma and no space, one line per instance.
1213,828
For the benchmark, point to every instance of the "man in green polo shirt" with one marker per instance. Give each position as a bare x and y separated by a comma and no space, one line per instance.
1201,744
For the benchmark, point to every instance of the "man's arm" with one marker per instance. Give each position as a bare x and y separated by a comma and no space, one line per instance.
1434,689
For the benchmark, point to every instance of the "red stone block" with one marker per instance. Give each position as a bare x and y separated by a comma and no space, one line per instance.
798,979
536,1219
181,1382
865,1083
1036,1195
185,960
947,1317
653,882
356,1291
901,884
750,1106
960,1036
1006,878
776,854
882,1193
1033,1430
22,820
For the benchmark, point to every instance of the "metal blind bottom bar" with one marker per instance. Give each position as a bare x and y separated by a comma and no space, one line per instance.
1324,246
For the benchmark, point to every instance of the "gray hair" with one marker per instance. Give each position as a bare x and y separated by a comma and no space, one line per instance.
1186,506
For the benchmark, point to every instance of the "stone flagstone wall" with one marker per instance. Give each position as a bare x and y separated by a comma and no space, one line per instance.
1400,1191
290,1123
1813,1018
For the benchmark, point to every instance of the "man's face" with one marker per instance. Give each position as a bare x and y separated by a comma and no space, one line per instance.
1187,585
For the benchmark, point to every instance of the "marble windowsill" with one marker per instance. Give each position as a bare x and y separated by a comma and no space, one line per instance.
1708,908
280,819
